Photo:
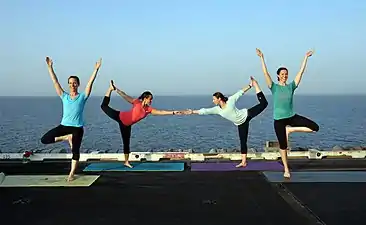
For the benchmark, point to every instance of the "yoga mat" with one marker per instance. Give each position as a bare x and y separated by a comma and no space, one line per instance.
229,166
318,177
45,181
118,166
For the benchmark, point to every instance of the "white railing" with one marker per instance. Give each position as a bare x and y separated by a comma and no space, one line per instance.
158,156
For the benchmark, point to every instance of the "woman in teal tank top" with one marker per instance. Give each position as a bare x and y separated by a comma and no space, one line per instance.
286,120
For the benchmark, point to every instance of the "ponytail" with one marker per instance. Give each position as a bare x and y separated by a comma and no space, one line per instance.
219,95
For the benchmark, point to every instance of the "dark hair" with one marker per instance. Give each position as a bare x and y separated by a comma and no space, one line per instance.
146,94
220,96
279,71
76,78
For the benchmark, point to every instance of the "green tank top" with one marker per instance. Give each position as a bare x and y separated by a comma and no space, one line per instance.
283,100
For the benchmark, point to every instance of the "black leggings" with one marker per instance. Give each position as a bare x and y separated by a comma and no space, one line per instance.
125,130
244,127
294,121
61,130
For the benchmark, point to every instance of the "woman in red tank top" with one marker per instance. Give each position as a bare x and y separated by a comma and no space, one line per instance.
141,107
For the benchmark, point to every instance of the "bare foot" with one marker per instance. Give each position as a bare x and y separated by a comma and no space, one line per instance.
128,164
286,175
111,85
242,164
70,178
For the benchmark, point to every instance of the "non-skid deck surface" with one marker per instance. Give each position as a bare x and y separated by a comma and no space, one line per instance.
229,166
334,203
318,177
230,197
46,181
153,198
140,166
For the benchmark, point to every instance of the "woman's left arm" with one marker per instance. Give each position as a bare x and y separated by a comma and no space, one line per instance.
90,83
303,67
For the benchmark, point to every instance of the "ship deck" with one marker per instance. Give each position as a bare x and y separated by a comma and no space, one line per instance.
187,197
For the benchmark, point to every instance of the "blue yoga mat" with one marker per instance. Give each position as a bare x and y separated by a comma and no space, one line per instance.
143,166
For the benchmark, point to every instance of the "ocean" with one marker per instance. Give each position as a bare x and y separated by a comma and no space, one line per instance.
23,121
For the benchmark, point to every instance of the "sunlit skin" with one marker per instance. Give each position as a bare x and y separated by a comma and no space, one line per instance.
147,101
73,86
282,77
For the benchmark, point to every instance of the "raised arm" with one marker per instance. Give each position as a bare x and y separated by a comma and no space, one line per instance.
56,84
125,96
89,86
303,67
122,93
239,93
264,68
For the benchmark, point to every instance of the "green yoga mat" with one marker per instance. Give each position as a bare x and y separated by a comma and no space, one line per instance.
46,180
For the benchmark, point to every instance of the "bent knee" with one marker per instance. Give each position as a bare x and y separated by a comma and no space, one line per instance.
45,140
315,128
76,156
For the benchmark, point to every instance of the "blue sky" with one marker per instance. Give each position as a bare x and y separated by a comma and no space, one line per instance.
181,47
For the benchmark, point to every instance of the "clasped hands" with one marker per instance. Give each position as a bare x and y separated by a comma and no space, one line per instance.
184,112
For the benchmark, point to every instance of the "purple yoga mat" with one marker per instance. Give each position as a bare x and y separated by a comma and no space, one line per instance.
228,166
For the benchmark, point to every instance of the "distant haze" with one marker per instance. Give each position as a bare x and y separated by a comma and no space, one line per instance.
181,47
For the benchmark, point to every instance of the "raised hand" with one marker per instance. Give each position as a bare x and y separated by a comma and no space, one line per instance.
259,53
49,61
98,64
309,53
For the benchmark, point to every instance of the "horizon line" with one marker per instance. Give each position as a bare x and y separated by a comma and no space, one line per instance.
195,95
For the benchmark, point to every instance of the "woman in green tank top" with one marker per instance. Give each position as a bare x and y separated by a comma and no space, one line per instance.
286,120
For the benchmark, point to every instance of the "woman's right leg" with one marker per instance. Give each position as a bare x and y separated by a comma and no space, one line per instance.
280,130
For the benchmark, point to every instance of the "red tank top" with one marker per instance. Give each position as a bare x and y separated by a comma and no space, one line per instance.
136,114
